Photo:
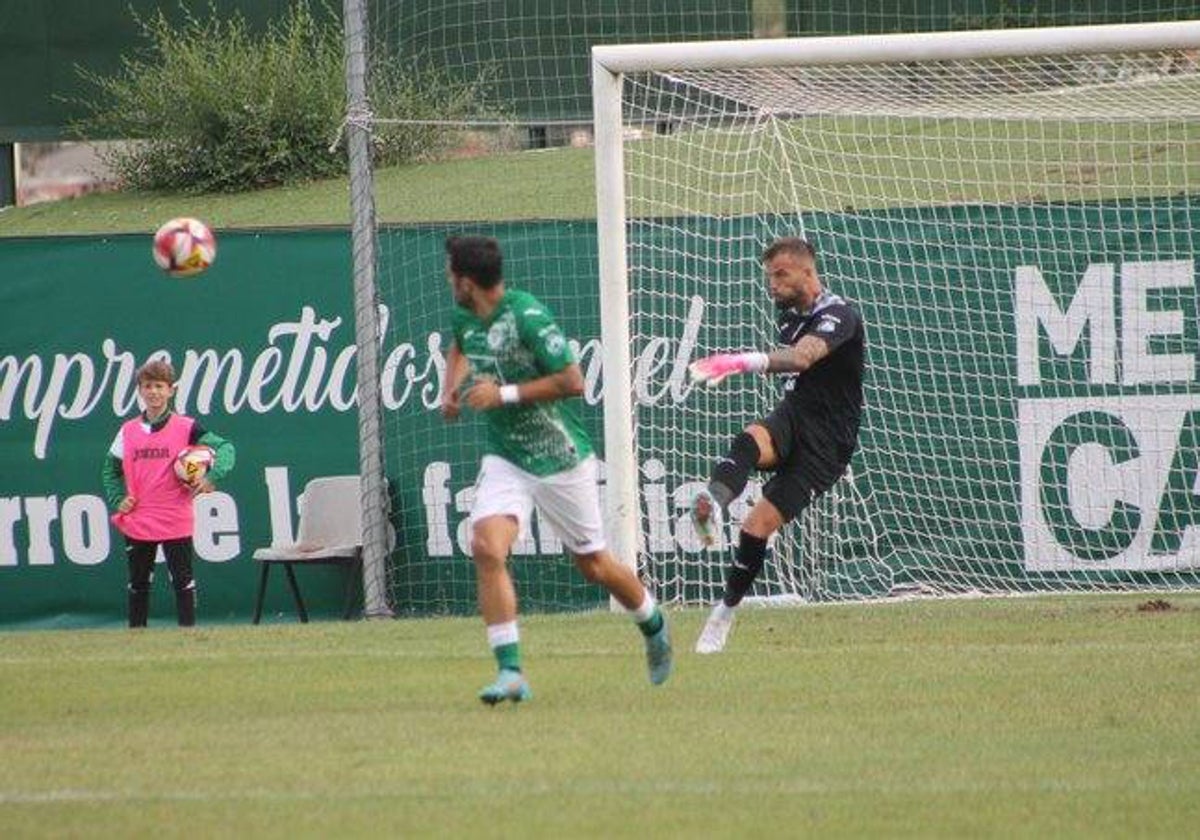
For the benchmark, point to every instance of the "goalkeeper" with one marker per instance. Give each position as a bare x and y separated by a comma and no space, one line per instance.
513,364
806,442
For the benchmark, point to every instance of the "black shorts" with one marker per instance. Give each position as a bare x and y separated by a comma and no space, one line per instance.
804,471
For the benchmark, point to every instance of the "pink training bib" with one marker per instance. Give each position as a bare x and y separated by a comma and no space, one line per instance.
163,508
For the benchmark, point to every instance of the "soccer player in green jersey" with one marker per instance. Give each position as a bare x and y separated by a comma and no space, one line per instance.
510,361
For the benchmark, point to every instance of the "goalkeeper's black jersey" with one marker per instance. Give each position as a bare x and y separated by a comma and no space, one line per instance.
828,397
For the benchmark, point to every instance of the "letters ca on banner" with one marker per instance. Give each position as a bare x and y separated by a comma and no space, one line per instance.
1110,482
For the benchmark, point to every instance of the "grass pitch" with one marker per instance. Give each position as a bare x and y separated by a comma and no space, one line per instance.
547,184
1068,716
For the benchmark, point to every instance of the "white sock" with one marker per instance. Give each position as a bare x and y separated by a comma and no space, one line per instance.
645,611
503,634
723,612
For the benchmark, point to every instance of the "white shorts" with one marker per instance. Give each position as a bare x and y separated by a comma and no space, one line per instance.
569,501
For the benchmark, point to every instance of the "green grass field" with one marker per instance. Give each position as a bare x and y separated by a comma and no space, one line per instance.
549,184
1072,716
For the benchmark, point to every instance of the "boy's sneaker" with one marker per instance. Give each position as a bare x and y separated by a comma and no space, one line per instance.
658,654
509,685
716,630
706,516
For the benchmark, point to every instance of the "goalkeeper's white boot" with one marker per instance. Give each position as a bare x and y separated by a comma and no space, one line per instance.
706,516
716,630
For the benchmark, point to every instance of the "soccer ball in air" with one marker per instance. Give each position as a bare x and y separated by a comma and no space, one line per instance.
183,247
193,462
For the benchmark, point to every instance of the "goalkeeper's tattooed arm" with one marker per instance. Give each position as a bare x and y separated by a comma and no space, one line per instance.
799,357
796,359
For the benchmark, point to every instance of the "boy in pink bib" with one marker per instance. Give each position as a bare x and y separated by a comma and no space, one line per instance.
153,506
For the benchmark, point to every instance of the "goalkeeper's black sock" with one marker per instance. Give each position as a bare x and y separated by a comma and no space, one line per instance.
730,474
747,564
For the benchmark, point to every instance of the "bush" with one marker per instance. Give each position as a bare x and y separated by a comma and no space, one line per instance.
215,107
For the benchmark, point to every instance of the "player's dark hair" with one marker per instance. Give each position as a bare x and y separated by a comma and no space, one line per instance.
477,257
795,245
156,370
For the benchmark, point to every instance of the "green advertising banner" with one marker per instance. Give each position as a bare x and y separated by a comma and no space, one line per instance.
1016,351
1031,401
432,464
264,346
264,342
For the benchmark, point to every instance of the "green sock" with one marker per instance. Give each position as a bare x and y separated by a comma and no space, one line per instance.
652,624
508,656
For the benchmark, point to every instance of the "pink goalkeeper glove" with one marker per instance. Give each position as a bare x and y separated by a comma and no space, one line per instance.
712,369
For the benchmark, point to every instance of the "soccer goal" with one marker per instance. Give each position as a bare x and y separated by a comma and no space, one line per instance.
1014,213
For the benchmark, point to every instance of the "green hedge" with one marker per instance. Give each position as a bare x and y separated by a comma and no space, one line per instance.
213,106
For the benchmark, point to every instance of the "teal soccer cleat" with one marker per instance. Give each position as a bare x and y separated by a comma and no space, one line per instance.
658,655
509,685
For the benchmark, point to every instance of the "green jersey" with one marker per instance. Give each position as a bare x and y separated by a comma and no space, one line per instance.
518,342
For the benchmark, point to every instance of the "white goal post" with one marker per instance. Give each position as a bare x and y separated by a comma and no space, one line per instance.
1012,210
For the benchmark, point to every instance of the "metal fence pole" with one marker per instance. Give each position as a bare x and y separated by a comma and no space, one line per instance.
376,591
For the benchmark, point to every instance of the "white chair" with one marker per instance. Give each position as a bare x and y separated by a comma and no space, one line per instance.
330,534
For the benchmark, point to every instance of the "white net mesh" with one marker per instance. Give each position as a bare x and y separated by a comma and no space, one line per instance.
719,171
535,54
1019,235
517,77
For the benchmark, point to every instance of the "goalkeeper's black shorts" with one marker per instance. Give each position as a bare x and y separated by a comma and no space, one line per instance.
808,465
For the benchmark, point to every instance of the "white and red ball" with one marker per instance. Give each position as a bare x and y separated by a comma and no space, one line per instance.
193,462
184,247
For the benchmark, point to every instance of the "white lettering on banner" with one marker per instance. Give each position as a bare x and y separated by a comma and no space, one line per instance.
1108,482
82,529
1140,323
216,537
655,354
589,355
204,372
654,497
279,503
298,370
40,512
464,500
85,534
429,377
436,498
45,405
1093,307
1094,476
653,359
668,513
10,515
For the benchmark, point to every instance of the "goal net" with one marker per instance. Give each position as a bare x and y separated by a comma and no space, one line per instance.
513,160
1015,216
469,91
